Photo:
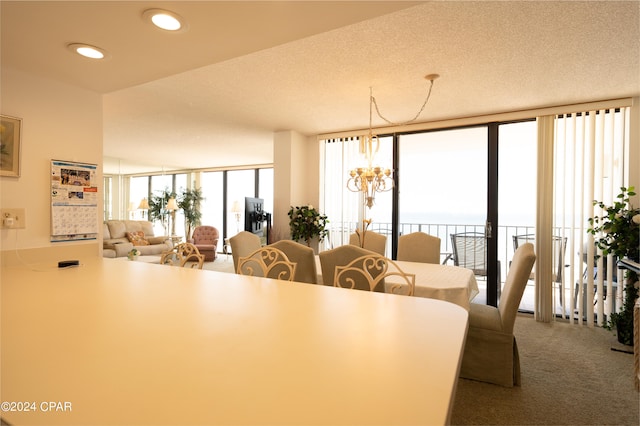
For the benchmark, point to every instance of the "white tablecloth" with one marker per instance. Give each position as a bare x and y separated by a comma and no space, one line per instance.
445,282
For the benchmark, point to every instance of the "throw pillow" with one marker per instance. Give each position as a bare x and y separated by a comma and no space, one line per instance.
137,238
156,240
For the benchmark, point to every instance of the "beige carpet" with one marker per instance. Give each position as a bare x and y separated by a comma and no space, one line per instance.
223,263
570,376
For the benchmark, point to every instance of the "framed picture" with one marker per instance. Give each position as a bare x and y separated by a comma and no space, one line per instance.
10,146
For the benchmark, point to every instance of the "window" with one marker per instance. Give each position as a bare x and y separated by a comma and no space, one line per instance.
218,200
108,197
212,187
139,189
442,188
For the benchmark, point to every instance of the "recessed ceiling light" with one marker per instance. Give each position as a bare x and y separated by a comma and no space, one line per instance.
165,20
88,51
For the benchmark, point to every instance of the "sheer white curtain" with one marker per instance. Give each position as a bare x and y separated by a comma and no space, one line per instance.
588,154
342,207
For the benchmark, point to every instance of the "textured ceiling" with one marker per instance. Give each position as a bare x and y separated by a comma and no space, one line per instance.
214,96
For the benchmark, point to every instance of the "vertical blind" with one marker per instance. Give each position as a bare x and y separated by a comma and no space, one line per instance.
588,164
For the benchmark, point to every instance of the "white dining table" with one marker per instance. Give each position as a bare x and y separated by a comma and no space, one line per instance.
133,343
444,282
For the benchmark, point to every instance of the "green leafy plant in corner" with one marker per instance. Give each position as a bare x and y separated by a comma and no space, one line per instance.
306,222
617,232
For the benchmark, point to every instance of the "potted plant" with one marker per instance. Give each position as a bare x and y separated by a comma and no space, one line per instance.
157,210
133,254
189,201
617,232
306,222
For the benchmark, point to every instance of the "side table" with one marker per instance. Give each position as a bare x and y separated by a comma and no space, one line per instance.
226,249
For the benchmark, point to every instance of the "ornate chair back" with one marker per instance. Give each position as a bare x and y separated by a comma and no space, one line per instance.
267,262
184,254
243,244
368,272
354,267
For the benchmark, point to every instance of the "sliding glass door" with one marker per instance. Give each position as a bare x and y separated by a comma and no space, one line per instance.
517,167
473,187
443,186
442,176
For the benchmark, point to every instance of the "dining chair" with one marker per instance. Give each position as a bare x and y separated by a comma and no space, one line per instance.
183,254
243,244
304,258
559,246
490,351
368,272
353,267
369,240
341,255
419,247
267,262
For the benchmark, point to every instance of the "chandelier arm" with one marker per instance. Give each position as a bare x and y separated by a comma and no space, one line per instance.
373,99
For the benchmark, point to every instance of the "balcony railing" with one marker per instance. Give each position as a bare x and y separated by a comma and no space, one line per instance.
572,265
339,234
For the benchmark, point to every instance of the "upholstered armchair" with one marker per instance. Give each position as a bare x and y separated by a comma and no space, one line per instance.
205,238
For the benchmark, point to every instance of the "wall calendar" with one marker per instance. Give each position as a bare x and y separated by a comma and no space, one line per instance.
74,201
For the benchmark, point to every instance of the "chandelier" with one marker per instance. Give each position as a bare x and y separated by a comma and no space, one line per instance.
372,179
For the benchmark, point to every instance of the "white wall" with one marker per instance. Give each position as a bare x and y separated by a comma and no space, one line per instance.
59,122
296,165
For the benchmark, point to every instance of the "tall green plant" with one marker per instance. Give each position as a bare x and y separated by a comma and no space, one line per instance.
189,201
157,204
617,232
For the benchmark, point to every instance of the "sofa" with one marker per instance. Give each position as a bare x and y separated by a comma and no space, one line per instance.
120,236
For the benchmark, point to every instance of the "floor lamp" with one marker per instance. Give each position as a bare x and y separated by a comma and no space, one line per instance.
144,206
236,211
172,206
